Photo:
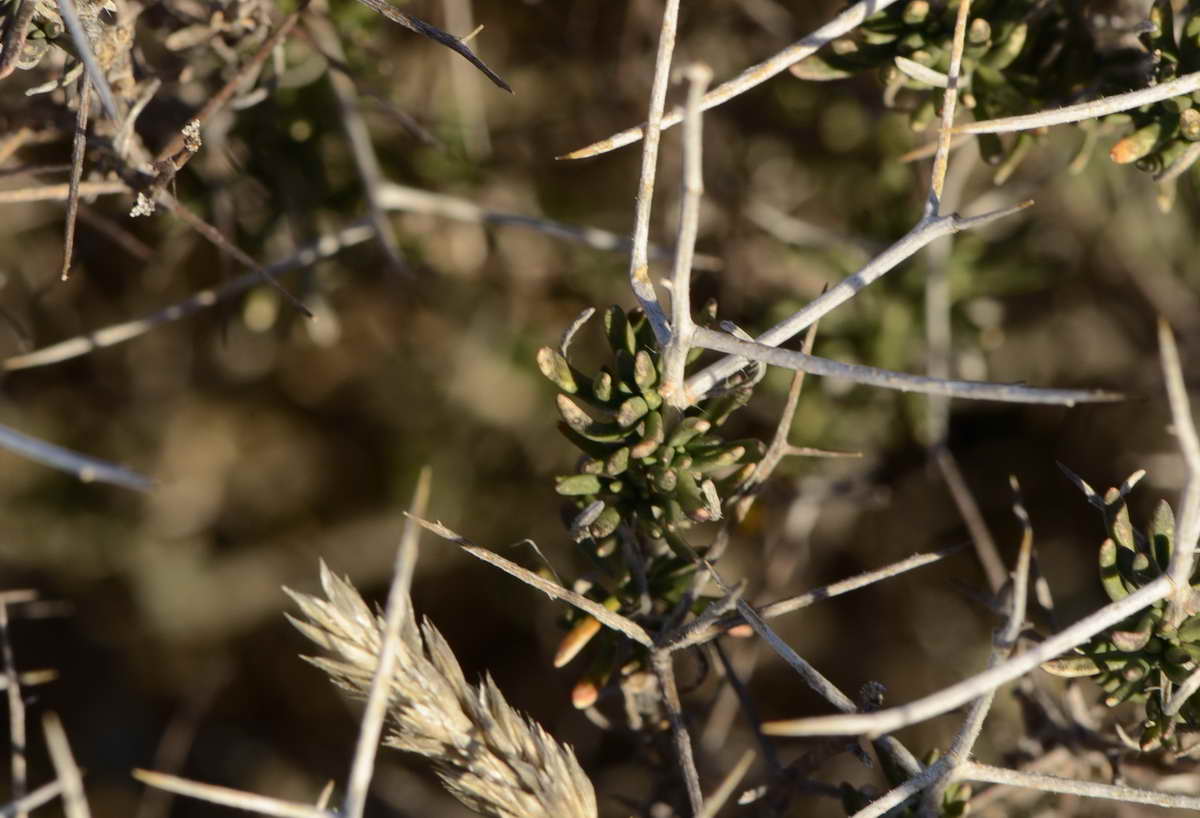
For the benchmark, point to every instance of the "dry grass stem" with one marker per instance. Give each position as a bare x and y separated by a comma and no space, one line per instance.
941,157
714,803
26,804
75,803
59,193
488,756
398,609
18,763
227,797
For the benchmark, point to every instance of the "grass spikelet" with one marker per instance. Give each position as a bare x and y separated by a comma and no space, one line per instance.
489,756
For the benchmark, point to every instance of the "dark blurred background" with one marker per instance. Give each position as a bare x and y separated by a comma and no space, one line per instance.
276,441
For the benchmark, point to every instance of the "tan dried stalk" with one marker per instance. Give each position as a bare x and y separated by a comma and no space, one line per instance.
489,756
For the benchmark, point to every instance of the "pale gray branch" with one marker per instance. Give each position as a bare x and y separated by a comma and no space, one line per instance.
249,801
1086,110
676,350
873,376
893,718
974,771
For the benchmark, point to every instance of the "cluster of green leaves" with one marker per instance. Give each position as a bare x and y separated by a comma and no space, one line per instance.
1023,56
647,473
1144,657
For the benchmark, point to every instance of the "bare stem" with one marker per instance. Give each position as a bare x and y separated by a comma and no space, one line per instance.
381,683
639,266
676,350
1086,110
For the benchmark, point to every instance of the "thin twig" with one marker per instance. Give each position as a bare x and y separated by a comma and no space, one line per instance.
713,804
86,469
688,637
956,695
70,17
1002,647
749,709
900,381
1179,165
675,352
893,749
898,795
777,449
75,803
381,683
114,334
603,615
665,671
16,712
1085,110
401,197
58,193
933,207
15,34
224,796
974,771
177,738
218,239
78,147
755,75
436,34
924,232
362,150
23,806
1182,693
639,265
218,100
985,546
1188,528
